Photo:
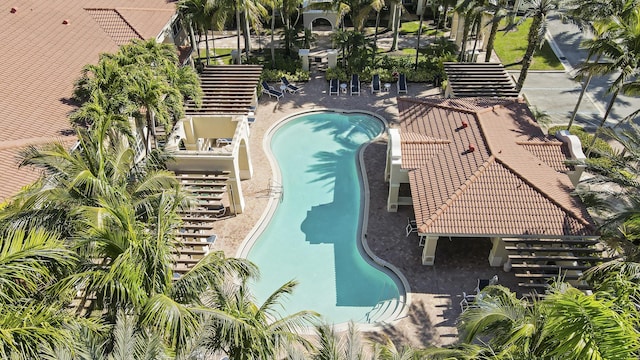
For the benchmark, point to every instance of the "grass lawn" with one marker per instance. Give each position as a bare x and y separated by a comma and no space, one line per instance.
223,54
512,46
411,27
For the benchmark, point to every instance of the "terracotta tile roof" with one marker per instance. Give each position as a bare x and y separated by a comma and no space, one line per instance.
500,188
114,25
41,59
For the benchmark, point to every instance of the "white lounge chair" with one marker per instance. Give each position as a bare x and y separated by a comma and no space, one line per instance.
355,84
375,83
290,87
402,84
334,86
269,90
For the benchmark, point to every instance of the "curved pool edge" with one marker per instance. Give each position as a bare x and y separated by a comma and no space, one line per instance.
392,271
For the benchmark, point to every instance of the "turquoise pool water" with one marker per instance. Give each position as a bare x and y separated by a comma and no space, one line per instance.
313,235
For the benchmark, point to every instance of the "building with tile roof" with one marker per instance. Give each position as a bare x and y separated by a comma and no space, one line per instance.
483,168
45,45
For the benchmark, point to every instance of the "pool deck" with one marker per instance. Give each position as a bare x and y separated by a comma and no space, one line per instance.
435,290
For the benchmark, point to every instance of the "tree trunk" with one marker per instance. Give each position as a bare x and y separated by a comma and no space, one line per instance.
604,121
375,39
492,38
465,37
247,35
206,40
192,39
575,110
396,27
585,84
534,42
418,41
273,26
238,24
478,24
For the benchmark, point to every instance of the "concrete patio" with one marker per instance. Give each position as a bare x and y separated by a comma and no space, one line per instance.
435,291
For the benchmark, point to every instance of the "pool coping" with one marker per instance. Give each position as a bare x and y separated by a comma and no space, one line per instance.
373,260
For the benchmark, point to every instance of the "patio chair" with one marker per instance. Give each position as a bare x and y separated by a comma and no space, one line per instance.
333,86
355,84
375,83
483,283
269,90
402,84
467,301
412,227
290,87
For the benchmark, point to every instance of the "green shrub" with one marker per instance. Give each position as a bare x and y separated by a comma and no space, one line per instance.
275,75
337,73
600,146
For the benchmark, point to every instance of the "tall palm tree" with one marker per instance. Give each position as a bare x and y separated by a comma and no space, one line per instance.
585,15
245,330
619,43
246,13
199,15
538,13
498,10
566,324
32,313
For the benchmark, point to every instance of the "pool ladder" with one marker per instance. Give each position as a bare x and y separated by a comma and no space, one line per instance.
276,189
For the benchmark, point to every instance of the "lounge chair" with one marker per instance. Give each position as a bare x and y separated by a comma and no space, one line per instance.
355,84
402,84
290,88
375,83
269,90
333,86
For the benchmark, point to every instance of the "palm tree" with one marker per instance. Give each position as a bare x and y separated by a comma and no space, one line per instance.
252,11
332,346
619,43
244,330
199,15
585,15
566,324
32,313
124,340
499,12
538,13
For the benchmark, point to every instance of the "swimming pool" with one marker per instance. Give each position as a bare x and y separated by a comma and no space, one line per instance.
314,235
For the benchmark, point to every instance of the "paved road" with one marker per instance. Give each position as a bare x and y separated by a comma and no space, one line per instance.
557,92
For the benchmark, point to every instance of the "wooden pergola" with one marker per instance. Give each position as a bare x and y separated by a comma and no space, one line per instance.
478,80
228,90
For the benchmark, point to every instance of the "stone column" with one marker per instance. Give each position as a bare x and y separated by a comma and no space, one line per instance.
332,58
304,56
498,254
429,249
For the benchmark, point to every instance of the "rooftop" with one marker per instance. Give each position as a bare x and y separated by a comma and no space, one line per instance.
45,46
483,167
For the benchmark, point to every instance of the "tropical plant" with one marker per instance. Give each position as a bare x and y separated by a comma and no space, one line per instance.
538,12
499,11
32,307
618,42
566,324
245,330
